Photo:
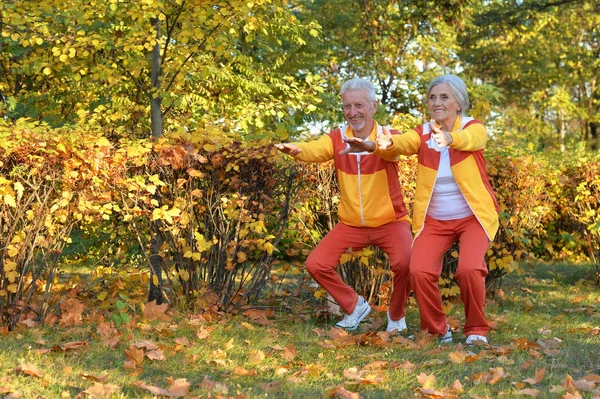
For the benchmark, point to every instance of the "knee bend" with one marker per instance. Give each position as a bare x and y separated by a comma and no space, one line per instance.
470,274
417,276
313,267
400,266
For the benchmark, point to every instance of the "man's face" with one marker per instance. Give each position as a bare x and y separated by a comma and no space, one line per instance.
358,110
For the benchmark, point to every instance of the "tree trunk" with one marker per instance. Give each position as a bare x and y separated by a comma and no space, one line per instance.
156,118
594,139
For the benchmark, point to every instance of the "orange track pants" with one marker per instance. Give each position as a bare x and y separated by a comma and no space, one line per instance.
393,238
428,251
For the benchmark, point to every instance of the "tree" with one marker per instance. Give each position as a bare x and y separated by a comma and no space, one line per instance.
130,65
545,56
399,45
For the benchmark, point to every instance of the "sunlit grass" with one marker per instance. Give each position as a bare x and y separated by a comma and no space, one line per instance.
551,309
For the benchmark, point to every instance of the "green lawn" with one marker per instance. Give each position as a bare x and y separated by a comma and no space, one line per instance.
545,344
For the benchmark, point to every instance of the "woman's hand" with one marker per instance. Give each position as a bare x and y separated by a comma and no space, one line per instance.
384,139
443,139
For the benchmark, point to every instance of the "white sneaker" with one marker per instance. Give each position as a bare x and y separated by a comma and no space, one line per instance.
476,339
350,321
398,325
446,338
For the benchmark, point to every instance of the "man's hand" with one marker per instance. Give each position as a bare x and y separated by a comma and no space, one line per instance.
384,139
357,145
442,139
289,148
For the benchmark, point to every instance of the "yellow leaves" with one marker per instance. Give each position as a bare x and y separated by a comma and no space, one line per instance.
10,200
12,250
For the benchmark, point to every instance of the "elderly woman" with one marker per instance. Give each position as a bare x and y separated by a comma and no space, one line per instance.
453,202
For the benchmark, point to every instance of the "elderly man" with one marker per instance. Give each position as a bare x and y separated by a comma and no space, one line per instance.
371,210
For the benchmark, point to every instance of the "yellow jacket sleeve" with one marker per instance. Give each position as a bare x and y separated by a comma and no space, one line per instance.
471,138
319,150
402,144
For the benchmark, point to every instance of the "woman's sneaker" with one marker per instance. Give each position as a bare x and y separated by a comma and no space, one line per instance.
398,325
476,339
446,338
351,321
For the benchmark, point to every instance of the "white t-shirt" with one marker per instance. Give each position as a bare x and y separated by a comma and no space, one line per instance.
447,201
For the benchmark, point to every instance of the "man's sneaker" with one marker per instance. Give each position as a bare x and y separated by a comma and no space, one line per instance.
476,339
350,321
398,325
446,338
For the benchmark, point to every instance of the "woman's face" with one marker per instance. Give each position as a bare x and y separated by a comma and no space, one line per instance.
443,106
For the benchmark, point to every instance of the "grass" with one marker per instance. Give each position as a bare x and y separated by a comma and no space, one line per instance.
546,319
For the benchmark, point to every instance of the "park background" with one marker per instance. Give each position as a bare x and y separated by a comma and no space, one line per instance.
152,238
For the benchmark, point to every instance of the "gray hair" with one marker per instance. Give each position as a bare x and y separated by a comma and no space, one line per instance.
360,84
458,87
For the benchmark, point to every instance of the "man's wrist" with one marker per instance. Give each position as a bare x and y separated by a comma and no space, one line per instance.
370,145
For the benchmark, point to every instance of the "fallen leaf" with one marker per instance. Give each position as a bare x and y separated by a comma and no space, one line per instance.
529,392
458,356
242,371
96,378
376,365
179,387
152,311
145,344
99,390
539,376
156,391
204,333
256,356
155,355
497,374
426,380
69,346
456,386
213,386
182,341
72,309
343,393
29,369
134,354
289,353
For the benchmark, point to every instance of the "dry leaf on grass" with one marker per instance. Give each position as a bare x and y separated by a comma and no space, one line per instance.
214,386
152,311
72,309
99,390
29,369
539,376
96,378
342,393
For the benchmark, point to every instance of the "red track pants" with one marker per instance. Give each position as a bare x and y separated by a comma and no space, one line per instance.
393,238
426,266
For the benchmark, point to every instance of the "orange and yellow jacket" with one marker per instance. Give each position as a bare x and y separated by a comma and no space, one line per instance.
467,164
369,187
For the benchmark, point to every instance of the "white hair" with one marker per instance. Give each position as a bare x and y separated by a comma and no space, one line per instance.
458,87
360,84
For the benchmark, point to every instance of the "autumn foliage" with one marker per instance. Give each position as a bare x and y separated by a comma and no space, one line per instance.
227,209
